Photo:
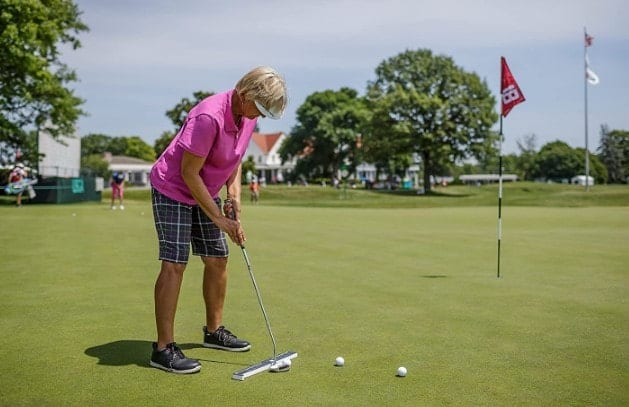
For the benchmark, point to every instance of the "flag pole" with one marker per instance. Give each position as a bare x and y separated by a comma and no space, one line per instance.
511,95
585,92
499,193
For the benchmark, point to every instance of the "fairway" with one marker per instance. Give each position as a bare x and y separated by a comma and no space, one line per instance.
383,288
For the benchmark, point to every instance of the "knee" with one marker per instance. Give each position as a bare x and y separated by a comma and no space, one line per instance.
215,264
173,268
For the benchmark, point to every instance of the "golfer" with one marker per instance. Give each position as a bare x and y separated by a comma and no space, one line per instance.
186,180
17,175
117,189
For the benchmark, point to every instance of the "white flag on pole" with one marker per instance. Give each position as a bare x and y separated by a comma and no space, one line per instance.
589,73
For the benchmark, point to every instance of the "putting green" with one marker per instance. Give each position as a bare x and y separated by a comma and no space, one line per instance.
382,288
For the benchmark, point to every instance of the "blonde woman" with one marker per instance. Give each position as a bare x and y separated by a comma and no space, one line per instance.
186,181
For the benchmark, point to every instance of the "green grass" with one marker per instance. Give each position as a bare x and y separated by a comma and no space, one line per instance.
383,288
514,194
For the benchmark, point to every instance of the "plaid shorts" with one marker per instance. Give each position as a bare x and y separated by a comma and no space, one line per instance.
178,225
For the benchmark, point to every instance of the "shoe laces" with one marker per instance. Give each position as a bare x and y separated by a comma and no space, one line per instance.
224,335
176,351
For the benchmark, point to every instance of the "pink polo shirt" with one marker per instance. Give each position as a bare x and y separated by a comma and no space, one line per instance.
208,131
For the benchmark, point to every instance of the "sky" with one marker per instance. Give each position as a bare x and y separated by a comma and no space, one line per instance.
141,57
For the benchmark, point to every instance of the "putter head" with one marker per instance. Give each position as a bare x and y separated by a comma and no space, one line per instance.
280,366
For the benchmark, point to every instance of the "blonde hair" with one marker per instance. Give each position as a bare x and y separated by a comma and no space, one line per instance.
266,86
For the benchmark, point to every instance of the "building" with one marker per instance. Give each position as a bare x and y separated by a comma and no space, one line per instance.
264,148
478,179
135,170
61,157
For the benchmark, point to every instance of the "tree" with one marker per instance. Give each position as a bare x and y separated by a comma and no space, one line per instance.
95,144
248,169
132,146
327,134
93,165
558,161
525,162
597,168
425,104
33,80
614,154
136,147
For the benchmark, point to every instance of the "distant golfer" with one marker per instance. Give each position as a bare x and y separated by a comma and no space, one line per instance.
117,189
17,175
186,180
254,187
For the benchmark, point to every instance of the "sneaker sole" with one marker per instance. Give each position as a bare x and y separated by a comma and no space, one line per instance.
169,370
213,346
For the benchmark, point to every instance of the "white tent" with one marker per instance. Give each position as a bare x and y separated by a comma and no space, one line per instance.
580,180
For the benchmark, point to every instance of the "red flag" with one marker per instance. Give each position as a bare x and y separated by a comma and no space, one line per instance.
588,40
511,93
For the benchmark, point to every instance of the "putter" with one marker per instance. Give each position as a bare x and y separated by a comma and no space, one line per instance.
276,363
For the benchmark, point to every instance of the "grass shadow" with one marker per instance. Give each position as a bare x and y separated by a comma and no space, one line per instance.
136,352
122,353
434,276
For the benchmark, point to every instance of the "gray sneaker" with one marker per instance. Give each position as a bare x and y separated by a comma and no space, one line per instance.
224,339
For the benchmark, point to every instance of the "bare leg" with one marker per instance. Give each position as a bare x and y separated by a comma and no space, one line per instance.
167,289
214,290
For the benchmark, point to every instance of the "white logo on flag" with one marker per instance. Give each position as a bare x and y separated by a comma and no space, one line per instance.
510,94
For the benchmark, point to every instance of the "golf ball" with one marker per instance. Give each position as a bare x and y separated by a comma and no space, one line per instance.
401,371
339,361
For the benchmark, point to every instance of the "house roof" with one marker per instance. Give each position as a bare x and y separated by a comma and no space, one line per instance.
123,159
266,141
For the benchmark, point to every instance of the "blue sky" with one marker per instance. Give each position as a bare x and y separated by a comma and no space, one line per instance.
142,57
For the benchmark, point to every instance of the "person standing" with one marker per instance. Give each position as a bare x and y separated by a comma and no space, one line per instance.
254,187
186,181
117,189
17,176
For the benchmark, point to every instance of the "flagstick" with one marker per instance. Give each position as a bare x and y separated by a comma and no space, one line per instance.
499,194
585,82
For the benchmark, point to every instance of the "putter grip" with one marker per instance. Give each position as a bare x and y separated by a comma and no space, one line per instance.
232,215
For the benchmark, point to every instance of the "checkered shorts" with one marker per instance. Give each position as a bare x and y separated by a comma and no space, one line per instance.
178,225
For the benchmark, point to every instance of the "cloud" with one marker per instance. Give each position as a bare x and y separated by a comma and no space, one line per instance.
142,57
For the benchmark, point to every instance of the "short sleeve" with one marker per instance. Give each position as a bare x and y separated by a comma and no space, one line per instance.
198,135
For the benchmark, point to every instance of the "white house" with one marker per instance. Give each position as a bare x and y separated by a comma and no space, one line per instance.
135,170
264,148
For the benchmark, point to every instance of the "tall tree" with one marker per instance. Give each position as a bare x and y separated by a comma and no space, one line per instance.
424,103
525,162
558,161
95,144
33,80
327,135
132,146
614,153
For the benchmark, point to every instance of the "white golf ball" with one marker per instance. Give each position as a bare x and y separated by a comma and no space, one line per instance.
401,371
287,363
339,361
